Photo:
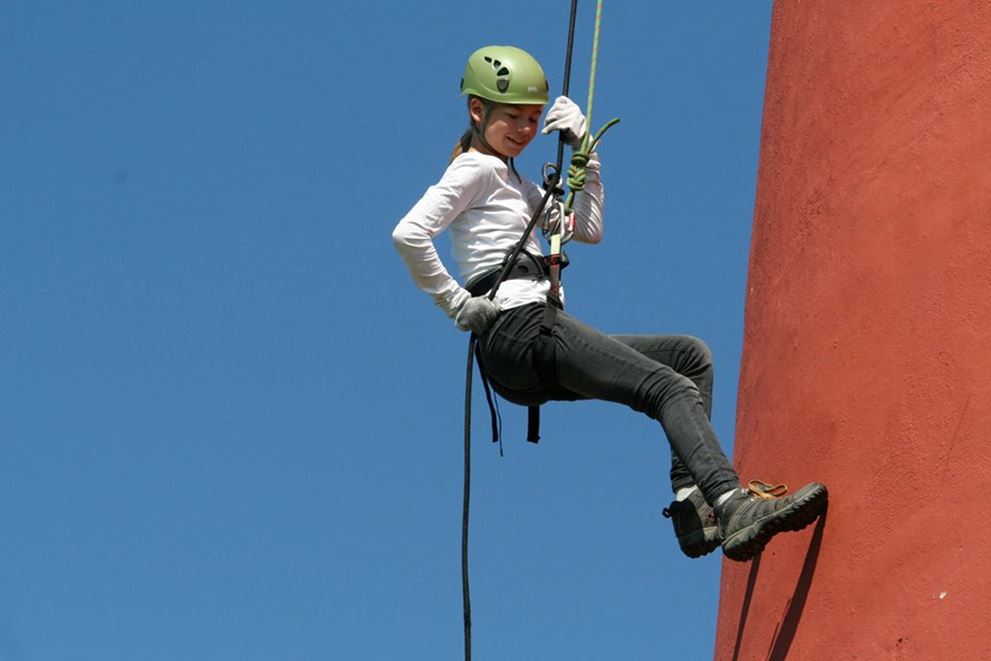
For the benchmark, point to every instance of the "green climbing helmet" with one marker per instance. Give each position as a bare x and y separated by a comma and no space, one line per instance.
505,74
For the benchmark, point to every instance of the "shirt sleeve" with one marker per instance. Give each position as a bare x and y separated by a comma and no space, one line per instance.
588,204
458,189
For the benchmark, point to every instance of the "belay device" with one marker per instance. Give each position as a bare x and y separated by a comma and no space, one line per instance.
557,228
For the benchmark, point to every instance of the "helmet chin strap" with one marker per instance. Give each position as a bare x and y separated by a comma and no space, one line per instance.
492,151
479,133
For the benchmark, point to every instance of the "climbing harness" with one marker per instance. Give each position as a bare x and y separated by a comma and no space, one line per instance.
526,265
518,263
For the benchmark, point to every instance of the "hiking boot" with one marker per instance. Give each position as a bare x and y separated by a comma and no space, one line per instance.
749,519
694,525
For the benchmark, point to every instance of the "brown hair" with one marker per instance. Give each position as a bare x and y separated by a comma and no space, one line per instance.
463,144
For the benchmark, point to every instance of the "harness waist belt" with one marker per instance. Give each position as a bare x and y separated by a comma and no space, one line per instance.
526,266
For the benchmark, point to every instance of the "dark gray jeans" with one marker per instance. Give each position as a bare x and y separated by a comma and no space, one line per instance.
668,377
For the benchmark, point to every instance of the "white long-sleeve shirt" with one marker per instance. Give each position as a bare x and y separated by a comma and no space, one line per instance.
487,209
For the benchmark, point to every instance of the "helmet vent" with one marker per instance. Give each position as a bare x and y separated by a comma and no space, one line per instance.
502,84
496,64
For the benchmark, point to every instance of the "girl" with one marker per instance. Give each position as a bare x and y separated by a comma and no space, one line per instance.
486,205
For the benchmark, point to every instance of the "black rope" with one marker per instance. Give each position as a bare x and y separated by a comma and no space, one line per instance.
552,189
567,78
466,500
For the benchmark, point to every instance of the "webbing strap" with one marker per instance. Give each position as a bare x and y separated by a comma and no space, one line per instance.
546,349
546,355
533,424
493,403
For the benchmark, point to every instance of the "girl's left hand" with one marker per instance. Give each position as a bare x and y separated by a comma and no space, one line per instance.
477,314
565,116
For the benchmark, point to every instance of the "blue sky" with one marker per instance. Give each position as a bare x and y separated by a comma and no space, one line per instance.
230,426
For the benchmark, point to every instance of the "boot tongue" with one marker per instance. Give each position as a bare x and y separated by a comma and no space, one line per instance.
727,502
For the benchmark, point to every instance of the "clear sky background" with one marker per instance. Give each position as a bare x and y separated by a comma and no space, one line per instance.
230,426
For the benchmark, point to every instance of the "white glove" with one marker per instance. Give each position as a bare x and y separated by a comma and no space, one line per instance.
565,116
477,314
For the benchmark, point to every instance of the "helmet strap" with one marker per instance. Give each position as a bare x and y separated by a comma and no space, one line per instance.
478,128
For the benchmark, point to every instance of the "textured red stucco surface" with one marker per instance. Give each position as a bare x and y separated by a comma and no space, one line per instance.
867,356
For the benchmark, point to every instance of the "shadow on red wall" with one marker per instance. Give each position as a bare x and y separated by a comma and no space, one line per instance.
785,631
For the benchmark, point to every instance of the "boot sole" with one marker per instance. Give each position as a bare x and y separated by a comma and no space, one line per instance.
746,543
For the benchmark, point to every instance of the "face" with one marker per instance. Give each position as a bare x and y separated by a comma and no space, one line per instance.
510,128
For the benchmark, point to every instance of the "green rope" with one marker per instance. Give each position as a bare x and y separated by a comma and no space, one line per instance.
577,174
595,59
577,171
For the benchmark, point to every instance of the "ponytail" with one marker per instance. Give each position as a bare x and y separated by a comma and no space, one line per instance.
463,144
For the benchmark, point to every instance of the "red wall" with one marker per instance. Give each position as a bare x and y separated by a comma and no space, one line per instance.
867,356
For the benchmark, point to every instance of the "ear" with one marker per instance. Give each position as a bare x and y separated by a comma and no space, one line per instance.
476,110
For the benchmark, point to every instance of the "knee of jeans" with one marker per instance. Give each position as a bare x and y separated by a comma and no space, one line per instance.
701,355
672,388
